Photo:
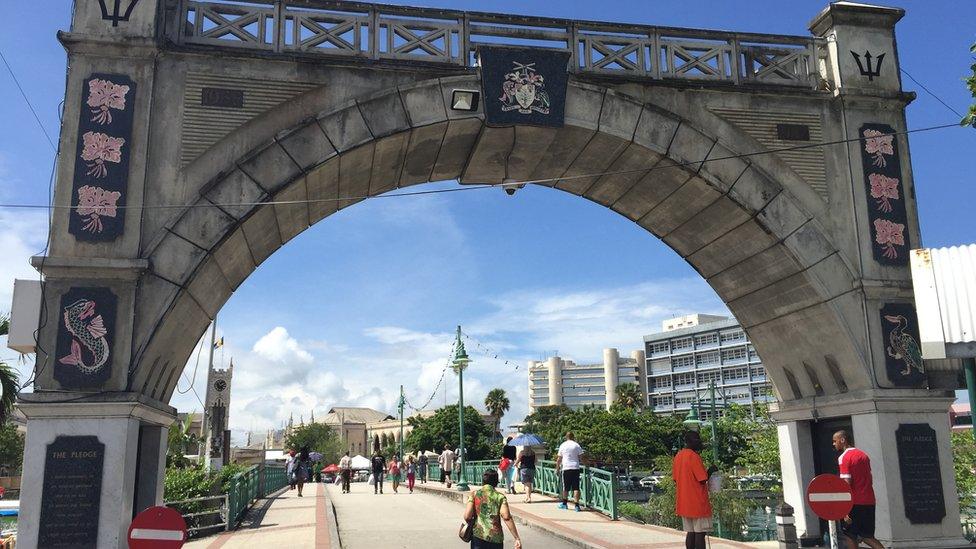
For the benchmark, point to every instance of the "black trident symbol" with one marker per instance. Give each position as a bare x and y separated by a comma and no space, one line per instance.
117,13
868,71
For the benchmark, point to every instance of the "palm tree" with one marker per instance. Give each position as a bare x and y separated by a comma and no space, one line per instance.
497,404
180,437
629,396
8,378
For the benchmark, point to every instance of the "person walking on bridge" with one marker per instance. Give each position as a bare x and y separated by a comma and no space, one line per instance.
487,508
395,474
855,467
378,465
345,471
691,501
302,469
568,462
525,463
446,461
422,462
410,468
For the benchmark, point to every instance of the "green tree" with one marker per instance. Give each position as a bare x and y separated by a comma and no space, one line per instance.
432,433
319,437
964,462
8,378
180,437
547,421
619,435
970,118
761,455
11,447
496,402
629,396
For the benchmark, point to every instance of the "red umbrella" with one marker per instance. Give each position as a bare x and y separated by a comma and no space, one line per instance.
331,469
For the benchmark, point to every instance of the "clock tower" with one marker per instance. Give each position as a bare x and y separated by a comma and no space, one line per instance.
218,408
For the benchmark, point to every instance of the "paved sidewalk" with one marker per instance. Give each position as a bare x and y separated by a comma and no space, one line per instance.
592,529
284,520
405,520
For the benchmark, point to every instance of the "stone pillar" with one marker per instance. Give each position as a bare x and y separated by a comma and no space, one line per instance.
878,418
641,373
131,469
610,359
796,463
554,368
876,434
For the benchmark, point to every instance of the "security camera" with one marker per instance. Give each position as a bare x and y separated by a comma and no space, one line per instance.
510,188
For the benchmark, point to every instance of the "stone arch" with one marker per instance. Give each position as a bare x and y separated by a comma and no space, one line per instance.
745,230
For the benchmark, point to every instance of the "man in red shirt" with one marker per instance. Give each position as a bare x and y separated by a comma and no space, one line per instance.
691,501
855,467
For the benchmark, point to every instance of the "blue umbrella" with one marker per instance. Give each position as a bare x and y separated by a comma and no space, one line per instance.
526,440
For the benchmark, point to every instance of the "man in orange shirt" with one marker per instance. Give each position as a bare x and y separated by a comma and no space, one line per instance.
691,502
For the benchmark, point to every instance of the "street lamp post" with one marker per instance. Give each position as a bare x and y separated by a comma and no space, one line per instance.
461,362
693,422
401,421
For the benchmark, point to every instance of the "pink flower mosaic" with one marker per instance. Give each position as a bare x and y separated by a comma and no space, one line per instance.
95,202
98,149
889,234
879,145
883,190
104,95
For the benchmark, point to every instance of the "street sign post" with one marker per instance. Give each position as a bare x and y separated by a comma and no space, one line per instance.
830,498
157,528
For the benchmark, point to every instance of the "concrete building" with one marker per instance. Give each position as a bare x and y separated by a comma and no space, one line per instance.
695,350
558,381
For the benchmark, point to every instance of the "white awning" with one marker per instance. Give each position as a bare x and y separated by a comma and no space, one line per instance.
945,300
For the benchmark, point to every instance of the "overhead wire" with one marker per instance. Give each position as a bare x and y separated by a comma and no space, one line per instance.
433,393
26,100
494,185
930,92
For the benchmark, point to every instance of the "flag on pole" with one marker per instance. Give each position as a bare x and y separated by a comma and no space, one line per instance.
219,343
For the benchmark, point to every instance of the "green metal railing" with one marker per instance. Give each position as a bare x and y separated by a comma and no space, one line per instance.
598,487
243,491
247,487
275,478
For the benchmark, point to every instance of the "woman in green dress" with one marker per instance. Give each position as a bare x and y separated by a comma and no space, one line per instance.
488,507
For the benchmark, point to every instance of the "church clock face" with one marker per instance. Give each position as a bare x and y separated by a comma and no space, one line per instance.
220,385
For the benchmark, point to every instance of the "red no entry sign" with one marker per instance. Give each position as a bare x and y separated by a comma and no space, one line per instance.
157,528
829,497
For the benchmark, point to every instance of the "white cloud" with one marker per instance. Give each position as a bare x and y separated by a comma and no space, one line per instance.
280,375
22,235
579,324
279,347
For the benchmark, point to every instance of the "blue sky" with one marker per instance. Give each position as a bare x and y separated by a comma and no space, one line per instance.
368,299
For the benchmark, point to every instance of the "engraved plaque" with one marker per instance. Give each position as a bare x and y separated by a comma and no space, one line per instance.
921,478
222,97
72,491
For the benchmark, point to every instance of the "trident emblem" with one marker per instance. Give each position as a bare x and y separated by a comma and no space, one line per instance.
868,71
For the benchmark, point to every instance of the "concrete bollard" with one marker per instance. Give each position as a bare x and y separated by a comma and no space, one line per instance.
786,527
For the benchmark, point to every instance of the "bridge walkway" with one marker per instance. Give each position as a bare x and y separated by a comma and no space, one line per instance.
591,529
428,518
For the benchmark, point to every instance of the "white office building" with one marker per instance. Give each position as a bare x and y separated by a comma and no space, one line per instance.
695,350
558,381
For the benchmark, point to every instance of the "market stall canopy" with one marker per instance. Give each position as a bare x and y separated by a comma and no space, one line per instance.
359,462
331,468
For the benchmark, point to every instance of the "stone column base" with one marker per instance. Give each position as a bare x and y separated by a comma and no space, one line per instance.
876,417
132,466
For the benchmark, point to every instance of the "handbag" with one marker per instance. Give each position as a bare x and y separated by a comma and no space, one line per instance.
466,531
